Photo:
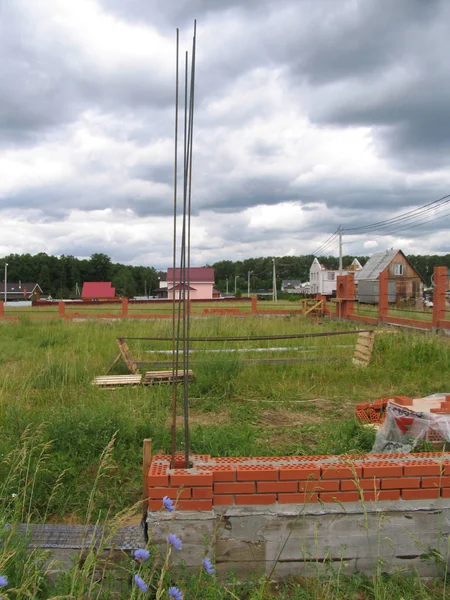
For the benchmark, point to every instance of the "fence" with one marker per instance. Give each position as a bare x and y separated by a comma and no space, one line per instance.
347,307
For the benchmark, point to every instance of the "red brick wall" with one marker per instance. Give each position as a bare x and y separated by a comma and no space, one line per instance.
243,481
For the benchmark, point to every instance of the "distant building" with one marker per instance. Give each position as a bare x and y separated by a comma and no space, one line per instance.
20,291
98,290
323,281
161,290
201,283
404,281
291,286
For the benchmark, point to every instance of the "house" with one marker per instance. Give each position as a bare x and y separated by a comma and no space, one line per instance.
201,283
20,291
161,290
98,290
291,286
323,281
404,281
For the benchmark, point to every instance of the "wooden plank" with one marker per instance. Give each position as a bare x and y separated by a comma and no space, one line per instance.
118,357
155,377
363,357
146,462
126,355
364,343
106,380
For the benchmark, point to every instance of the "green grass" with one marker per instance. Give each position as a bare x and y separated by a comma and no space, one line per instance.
46,369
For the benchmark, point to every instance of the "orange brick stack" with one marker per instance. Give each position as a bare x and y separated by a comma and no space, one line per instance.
245,481
376,412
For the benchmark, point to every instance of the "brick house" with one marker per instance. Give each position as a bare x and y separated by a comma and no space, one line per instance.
201,283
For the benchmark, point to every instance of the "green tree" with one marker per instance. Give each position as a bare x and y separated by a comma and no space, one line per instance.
100,267
124,282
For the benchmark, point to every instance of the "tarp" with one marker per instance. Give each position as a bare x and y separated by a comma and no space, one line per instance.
404,428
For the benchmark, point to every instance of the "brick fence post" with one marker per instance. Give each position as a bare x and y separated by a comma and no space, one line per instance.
2,309
61,309
439,292
124,308
254,305
383,296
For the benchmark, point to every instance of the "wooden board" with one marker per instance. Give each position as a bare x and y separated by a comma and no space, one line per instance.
126,355
156,377
364,348
117,380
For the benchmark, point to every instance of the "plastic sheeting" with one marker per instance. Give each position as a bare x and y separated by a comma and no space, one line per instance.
404,428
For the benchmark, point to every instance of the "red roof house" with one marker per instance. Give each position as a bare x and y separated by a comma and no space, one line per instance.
201,283
98,290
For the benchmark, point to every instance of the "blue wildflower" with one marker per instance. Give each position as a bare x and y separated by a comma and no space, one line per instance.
3,581
141,555
168,504
175,593
140,583
174,541
208,566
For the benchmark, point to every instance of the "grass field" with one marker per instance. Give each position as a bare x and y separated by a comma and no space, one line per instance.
55,425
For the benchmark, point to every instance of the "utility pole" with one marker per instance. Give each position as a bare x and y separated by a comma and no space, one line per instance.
340,249
235,283
6,279
275,298
248,282
227,285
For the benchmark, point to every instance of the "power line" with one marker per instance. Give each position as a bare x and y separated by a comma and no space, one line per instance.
329,242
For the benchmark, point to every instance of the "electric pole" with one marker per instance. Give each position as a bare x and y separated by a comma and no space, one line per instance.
275,299
248,282
227,285
340,249
235,283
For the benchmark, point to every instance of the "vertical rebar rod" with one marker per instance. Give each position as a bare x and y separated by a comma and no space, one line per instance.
189,174
175,181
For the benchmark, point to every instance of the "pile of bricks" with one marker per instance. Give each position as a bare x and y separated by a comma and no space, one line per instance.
444,408
376,412
243,481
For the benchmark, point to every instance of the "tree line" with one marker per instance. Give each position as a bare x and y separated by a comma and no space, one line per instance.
60,276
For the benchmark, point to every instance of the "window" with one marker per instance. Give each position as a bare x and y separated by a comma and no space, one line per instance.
331,275
398,269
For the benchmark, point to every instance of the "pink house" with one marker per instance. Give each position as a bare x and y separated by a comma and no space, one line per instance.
201,283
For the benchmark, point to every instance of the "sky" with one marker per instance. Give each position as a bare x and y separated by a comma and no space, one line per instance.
309,114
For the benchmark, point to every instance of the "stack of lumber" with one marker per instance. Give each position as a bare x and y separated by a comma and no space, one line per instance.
364,348
152,377
117,380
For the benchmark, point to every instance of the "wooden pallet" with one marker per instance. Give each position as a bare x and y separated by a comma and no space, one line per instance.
124,352
117,380
157,377
364,349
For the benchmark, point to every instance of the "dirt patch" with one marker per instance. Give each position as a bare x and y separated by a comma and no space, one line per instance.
207,418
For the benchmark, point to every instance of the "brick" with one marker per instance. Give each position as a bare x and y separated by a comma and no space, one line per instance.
202,492
339,497
245,499
422,469
303,472
435,482
363,484
180,477
172,493
220,472
382,469
257,472
223,500
445,492
446,466
381,495
421,494
155,505
298,498
157,478
247,487
399,483
194,505
331,485
264,487
340,472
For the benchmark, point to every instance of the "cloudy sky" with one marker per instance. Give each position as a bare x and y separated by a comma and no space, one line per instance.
309,114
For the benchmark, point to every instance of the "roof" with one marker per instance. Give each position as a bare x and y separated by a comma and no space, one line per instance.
181,286
98,289
162,275
376,264
291,282
18,290
195,275
355,265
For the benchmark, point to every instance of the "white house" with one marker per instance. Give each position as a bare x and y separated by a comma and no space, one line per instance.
323,281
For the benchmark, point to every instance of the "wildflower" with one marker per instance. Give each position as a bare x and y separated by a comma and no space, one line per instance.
168,504
140,583
174,541
3,581
141,555
175,593
208,566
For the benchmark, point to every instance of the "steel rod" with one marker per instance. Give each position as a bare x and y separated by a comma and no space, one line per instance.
249,338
